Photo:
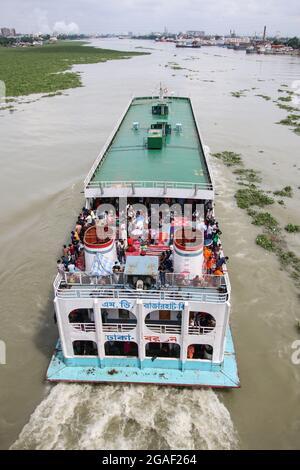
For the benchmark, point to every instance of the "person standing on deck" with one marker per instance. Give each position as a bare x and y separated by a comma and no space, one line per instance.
60,267
221,261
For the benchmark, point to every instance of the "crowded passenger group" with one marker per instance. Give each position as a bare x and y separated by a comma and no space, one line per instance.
140,238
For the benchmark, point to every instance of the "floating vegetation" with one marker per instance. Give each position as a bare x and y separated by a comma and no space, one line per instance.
7,108
146,48
264,219
265,242
175,66
286,107
265,97
238,94
248,174
290,120
291,228
287,191
229,158
47,69
51,95
297,129
290,262
252,196
285,98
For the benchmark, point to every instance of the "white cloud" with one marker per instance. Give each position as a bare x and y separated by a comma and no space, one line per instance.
61,27
245,16
41,18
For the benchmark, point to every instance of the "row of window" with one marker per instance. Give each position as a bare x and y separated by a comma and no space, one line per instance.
203,319
153,350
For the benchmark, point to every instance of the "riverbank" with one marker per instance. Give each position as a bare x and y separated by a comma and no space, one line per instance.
47,69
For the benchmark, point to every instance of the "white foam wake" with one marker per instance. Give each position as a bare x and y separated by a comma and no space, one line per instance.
128,417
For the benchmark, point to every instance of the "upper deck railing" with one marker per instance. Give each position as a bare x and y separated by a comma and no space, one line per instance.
208,288
151,184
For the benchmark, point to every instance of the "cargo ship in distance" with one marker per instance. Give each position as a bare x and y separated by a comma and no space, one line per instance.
142,294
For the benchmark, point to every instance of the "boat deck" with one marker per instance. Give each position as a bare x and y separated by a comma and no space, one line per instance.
206,375
181,159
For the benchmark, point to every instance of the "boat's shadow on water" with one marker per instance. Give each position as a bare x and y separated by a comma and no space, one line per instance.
46,334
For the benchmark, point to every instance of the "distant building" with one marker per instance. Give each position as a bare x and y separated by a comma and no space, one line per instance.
198,34
5,32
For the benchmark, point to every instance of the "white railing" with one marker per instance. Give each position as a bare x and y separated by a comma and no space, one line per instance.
206,281
86,327
227,281
117,327
205,148
169,295
151,185
164,329
200,330
98,160
56,283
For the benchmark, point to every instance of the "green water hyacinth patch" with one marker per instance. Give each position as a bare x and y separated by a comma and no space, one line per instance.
290,120
291,228
247,174
264,219
285,98
238,94
287,107
287,191
229,158
265,97
47,69
252,196
265,242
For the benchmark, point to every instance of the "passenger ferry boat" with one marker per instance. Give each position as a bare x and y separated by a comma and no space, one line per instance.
142,293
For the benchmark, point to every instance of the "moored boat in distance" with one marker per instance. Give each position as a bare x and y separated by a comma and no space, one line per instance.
142,293
189,44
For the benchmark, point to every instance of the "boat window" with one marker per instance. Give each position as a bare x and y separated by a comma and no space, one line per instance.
156,350
121,348
82,315
202,321
115,315
85,348
200,351
164,317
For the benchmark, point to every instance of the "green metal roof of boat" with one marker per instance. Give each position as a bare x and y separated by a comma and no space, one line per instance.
130,158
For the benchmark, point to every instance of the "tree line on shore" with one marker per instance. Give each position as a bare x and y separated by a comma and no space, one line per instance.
12,41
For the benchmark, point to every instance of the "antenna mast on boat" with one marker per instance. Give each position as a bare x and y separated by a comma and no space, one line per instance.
161,92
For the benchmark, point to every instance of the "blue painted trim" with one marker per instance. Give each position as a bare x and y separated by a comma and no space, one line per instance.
89,369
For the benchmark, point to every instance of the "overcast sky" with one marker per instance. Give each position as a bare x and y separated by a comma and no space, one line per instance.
212,16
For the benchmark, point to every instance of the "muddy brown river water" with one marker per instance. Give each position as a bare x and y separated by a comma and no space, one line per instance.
46,148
